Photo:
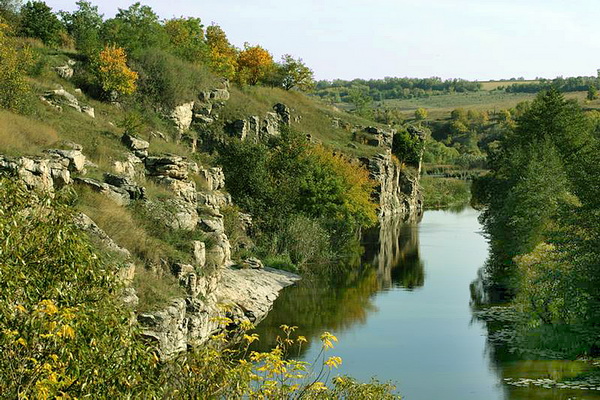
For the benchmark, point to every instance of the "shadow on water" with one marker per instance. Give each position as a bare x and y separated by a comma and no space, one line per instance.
341,300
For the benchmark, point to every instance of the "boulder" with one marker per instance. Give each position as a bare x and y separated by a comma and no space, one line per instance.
182,115
167,165
44,175
132,167
283,112
270,126
212,224
138,146
116,194
213,178
76,161
136,192
60,97
252,263
176,214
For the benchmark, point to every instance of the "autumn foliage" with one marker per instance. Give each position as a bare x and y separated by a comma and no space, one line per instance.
112,71
223,56
254,63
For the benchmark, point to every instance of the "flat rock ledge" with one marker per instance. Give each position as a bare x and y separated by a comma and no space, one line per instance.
248,295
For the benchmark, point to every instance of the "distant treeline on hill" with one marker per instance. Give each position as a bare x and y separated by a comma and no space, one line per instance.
572,84
392,88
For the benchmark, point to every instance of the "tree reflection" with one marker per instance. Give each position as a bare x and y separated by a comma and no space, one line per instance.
343,297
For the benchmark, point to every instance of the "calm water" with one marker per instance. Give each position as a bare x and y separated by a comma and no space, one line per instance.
404,315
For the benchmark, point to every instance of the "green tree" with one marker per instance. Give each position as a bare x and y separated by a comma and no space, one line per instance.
9,11
295,74
38,21
592,93
84,26
135,28
360,99
186,36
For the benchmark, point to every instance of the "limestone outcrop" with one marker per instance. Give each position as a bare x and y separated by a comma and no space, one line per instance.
397,191
239,294
43,174
60,97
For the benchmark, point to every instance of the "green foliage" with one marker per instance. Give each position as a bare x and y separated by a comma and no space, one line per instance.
166,81
444,192
84,25
408,147
186,37
59,322
360,99
135,29
293,177
420,114
223,56
541,207
438,153
63,334
38,21
295,74
592,93
14,63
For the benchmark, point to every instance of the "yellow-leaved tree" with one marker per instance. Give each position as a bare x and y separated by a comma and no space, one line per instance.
112,72
14,62
254,63
223,56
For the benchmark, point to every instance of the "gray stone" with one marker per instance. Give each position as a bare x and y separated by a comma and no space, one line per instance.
116,194
138,146
252,263
199,253
283,112
167,165
65,71
136,192
44,175
76,161
182,115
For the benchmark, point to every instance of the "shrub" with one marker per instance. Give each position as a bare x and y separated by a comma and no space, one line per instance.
112,72
167,81
253,63
14,63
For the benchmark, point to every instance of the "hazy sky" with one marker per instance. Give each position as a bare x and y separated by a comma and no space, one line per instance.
471,39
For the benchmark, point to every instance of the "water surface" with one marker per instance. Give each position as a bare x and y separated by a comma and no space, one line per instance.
404,315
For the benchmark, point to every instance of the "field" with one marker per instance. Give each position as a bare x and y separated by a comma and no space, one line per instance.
491,85
439,107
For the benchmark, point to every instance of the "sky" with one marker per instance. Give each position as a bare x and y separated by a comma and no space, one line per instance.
347,39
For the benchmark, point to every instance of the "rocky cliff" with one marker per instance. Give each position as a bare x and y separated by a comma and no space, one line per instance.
213,287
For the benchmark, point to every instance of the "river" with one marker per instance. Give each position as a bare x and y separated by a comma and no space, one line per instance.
404,316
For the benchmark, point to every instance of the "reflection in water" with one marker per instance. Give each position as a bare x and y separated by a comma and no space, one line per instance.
393,248
423,336
390,259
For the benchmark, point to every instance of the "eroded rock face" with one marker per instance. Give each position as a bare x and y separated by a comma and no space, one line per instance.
182,115
397,190
116,194
41,174
249,293
170,166
138,146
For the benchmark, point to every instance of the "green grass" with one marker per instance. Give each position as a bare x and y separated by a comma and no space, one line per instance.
316,117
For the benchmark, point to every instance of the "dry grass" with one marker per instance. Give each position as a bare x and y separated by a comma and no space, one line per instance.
316,118
491,85
155,291
122,227
22,135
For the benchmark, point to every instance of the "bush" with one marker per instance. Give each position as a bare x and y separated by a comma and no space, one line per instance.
112,72
167,81
14,63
